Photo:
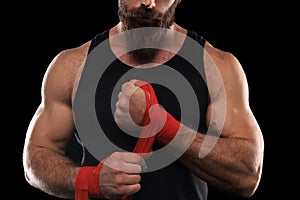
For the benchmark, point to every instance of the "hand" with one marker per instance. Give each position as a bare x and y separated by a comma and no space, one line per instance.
119,175
130,107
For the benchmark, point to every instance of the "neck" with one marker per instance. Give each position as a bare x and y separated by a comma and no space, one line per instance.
165,53
118,29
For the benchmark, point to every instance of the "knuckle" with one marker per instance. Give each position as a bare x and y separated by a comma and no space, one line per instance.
119,180
114,171
123,190
122,104
116,155
125,86
117,104
118,114
120,95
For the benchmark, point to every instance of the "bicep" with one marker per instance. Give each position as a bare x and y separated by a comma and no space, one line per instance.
51,127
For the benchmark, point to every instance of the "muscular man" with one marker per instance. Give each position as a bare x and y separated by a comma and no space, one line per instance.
233,163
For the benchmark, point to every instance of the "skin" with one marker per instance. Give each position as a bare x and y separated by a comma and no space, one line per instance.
233,165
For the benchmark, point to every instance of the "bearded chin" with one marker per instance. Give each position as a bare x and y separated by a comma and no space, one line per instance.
144,43
145,34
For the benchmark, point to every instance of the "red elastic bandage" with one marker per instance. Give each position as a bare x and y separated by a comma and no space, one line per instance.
148,134
87,182
169,128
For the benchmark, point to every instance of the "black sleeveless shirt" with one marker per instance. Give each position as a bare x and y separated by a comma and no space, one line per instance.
174,181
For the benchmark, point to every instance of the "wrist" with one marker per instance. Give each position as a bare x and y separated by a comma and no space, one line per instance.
87,182
169,130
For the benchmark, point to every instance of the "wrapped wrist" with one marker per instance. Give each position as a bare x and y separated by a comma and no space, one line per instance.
87,182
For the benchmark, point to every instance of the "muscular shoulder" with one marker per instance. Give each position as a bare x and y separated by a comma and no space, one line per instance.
223,60
61,74
224,71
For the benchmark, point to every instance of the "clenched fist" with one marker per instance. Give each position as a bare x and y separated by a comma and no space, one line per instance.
130,107
120,174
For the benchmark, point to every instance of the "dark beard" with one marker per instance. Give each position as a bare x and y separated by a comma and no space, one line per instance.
140,40
143,17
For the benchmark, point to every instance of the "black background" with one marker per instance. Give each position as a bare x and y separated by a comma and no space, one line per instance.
39,31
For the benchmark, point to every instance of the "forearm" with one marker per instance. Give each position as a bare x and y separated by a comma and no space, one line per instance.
51,172
231,164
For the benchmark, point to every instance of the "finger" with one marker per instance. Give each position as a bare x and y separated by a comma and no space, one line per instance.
139,83
128,190
118,115
134,158
128,179
122,104
122,191
120,95
133,81
126,161
128,167
127,86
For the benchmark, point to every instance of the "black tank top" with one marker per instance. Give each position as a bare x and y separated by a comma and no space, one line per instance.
173,181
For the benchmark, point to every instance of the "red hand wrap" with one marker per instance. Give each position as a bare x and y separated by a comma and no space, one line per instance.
148,134
87,182
145,142
169,128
